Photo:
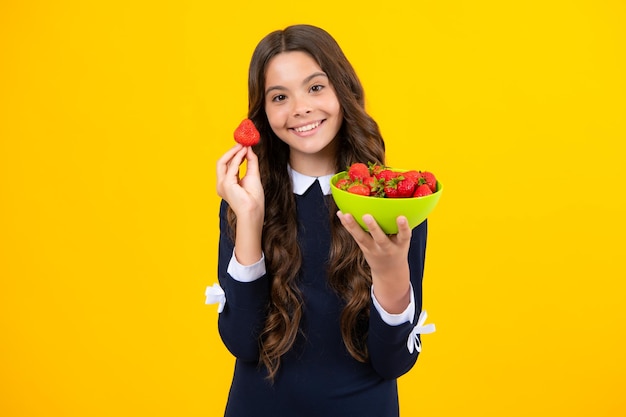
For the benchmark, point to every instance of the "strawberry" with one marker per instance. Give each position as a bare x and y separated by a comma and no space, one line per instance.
391,188
430,180
422,190
387,174
358,171
413,174
343,183
359,188
246,133
375,168
406,187
373,183
377,180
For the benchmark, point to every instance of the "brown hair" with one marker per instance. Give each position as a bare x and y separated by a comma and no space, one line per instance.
359,140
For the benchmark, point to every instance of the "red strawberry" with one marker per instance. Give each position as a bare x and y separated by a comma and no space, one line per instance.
422,190
343,183
413,174
429,178
246,133
373,183
359,188
375,168
358,171
391,188
387,174
406,187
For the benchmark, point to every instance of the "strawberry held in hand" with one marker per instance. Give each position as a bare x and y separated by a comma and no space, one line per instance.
246,133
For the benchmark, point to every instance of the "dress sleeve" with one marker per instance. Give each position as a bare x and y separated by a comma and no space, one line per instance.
242,319
387,344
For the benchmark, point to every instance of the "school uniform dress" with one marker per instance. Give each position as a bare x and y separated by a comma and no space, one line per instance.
318,377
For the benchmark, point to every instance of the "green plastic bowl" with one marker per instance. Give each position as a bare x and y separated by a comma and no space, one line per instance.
385,210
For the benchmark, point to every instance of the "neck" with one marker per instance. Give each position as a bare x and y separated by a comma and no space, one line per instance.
314,169
314,165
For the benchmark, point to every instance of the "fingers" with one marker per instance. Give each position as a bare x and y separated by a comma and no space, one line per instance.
381,251
376,232
235,163
253,162
227,168
376,235
404,230
226,159
351,225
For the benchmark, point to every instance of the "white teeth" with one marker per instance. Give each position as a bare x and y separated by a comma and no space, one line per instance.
307,127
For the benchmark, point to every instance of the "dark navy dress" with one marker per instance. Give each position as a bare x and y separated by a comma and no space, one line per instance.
318,377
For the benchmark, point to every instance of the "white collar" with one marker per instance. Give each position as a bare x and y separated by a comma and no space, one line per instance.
302,182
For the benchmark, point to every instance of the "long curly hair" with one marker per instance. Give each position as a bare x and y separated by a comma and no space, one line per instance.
358,140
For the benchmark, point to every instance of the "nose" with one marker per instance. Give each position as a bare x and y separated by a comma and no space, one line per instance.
301,107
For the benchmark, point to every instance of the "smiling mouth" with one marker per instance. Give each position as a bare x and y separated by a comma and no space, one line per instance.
308,127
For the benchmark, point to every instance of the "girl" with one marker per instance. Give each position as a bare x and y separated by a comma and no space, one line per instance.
321,316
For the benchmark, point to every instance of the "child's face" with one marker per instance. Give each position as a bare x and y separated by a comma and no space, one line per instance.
302,109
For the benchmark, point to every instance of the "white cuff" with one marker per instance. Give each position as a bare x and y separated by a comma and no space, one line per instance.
246,273
396,319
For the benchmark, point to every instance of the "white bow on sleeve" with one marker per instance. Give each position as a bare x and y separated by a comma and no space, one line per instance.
413,342
215,295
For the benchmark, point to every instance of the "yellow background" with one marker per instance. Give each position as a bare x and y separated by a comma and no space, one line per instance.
113,113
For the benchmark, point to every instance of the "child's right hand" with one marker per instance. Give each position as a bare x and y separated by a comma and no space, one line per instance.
244,195
246,198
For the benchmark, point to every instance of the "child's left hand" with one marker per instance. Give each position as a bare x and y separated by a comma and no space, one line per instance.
387,256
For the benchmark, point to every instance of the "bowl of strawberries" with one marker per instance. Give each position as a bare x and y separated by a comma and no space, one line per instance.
385,193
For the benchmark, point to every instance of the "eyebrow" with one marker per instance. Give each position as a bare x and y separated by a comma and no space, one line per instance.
305,81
